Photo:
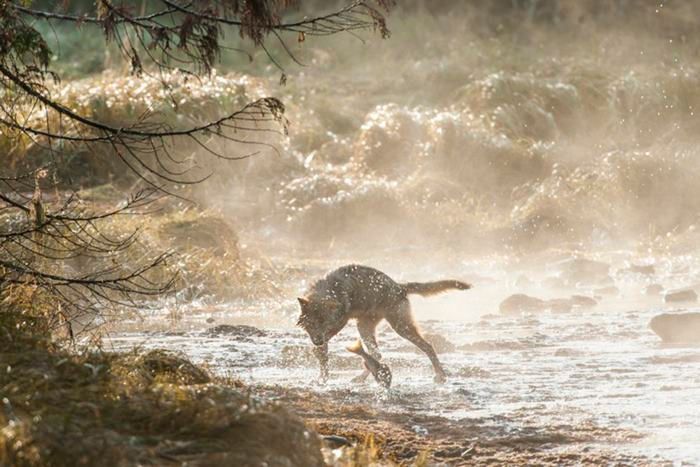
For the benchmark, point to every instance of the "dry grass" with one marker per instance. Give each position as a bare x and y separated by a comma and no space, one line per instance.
93,408
207,257
173,99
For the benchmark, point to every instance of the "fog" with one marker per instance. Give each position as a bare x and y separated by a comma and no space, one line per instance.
542,150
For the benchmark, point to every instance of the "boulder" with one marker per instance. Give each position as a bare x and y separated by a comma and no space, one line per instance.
582,301
564,305
335,441
519,303
560,305
677,327
440,343
646,270
654,289
681,296
236,330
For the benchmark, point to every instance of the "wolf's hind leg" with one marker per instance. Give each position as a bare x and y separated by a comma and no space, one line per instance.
402,322
367,328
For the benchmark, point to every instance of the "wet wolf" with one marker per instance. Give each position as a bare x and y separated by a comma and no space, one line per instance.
368,296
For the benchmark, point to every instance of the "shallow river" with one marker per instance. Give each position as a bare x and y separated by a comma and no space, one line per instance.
598,377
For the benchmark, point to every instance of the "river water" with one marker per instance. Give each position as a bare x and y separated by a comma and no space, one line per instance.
593,378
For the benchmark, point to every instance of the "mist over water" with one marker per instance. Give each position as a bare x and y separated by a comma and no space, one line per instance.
459,135
500,150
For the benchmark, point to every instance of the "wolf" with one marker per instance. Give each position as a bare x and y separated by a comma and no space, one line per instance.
368,296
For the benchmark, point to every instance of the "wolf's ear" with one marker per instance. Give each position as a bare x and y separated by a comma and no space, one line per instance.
303,301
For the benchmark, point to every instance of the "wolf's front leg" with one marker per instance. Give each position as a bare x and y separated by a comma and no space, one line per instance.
367,330
321,352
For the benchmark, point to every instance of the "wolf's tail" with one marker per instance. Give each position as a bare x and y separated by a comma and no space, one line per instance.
356,348
432,288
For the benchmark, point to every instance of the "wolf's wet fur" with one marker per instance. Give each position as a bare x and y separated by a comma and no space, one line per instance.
369,296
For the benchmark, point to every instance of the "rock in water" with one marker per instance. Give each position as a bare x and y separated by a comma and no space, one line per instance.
440,343
677,327
581,301
687,295
519,303
335,441
654,289
645,270
235,330
560,305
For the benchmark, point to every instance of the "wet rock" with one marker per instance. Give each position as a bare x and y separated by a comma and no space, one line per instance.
519,303
235,330
582,301
677,327
560,305
646,270
680,296
563,305
440,343
210,320
335,441
472,372
654,289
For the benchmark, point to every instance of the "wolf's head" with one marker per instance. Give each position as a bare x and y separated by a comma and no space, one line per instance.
321,318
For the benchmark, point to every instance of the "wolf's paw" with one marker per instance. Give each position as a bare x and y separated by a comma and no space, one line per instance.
440,378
